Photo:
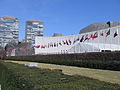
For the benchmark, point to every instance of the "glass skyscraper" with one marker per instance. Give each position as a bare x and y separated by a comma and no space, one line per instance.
33,28
8,30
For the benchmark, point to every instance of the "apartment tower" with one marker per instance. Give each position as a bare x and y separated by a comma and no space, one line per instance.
33,28
8,30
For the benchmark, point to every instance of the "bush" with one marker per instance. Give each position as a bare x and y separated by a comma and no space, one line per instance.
97,60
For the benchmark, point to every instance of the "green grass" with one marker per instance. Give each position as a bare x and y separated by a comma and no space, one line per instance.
83,84
19,77
102,75
4,74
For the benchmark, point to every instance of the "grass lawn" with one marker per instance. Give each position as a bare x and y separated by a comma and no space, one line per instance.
102,75
20,77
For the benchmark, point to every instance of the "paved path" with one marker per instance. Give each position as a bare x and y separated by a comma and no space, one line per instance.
103,75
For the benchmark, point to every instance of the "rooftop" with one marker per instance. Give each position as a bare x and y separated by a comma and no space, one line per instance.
34,21
8,17
99,26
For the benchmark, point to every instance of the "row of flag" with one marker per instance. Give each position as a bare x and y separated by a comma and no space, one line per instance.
82,39
61,43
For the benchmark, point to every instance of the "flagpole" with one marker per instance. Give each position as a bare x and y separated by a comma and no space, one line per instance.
105,40
110,38
92,43
98,40
118,37
109,26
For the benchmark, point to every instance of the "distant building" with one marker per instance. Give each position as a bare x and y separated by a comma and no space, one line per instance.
33,28
99,26
57,34
100,38
8,30
19,49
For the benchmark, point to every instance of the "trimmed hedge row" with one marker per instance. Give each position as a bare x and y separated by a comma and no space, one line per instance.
98,60
105,65
99,56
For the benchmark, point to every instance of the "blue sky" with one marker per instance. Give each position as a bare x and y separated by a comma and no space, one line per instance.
61,16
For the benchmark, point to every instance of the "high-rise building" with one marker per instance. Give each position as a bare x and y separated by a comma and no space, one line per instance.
33,28
8,30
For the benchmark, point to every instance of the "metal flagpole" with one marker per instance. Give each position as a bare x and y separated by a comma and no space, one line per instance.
105,39
109,28
92,43
118,36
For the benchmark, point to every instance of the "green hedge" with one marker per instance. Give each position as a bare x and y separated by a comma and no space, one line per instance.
105,65
97,60
95,56
87,64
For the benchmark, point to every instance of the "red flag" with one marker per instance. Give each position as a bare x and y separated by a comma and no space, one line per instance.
42,46
90,36
38,46
108,33
101,34
95,35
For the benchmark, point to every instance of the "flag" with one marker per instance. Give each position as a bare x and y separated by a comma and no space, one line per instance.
69,42
64,42
38,46
75,40
54,44
42,46
81,40
33,46
95,35
115,34
101,34
60,43
78,39
108,33
51,45
86,37
90,36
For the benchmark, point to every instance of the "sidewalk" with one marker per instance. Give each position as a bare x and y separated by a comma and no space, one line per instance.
102,75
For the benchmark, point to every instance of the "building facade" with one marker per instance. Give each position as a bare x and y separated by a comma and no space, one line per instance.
33,28
8,30
95,41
